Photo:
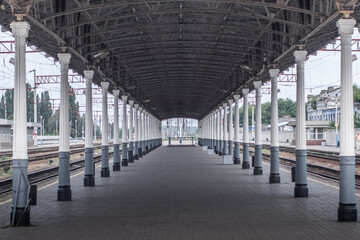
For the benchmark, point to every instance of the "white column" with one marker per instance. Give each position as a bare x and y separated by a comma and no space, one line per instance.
64,191
131,132
141,132
116,145
89,179
258,140
20,32
246,163
220,130
237,133
347,204
136,146
231,128
274,148
301,189
225,137
105,171
124,133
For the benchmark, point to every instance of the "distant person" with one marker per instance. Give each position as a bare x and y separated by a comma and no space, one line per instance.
357,141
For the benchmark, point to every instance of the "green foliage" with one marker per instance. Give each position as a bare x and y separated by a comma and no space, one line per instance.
286,107
356,90
313,103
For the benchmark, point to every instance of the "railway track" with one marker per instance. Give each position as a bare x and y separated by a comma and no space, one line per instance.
311,153
48,153
313,168
42,175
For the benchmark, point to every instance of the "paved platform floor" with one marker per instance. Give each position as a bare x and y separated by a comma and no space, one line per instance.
184,193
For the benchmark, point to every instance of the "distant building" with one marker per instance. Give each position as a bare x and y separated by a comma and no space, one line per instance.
326,103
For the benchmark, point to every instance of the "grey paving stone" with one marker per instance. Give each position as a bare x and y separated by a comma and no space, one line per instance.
184,193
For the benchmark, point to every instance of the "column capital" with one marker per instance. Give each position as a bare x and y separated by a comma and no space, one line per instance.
236,97
131,102
257,84
140,109
88,74
116,93
300,55
274,73
345,26
124,98
20,29
230,101
105,86
64,58
220,108
225,105
245,91
136,105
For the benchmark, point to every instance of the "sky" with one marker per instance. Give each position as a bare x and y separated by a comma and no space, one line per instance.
321,71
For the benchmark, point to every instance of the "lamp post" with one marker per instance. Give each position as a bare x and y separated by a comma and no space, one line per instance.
336,120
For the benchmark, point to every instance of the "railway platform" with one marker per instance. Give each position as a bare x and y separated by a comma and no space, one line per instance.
184,193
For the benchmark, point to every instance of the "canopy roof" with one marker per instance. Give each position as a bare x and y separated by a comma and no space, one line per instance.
179,58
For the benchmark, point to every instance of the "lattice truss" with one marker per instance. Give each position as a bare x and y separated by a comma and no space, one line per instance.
180,58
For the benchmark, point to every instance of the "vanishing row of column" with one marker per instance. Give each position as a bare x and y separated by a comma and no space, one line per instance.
213,128
143,135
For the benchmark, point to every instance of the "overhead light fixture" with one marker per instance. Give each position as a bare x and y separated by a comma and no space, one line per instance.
244,67
101,54
131,87
147,100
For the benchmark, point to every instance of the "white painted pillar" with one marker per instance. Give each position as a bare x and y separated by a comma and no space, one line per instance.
274,148
220,131
124,133
131,133
144,132
225,136
140,132
231,128
105,171
347,210
89,179
237,159
20,32
116,144
246,163
136,143
258,141
301,189
64,190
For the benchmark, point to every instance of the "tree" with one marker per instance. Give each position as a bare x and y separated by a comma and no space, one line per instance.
73,112
45,110
313,103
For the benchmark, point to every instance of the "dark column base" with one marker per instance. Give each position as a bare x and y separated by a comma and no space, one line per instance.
347,212
105,172
64,193
147,149
140,152
258,171
136,157
246,162
246,165
116,167
144,153
124,162
130,156
89,181
237,161
301,191
22,217
274,178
